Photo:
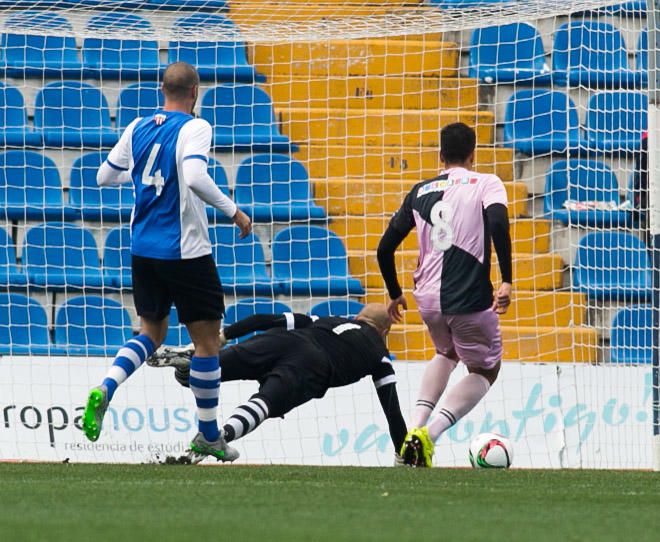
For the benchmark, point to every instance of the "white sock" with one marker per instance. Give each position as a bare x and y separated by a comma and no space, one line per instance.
462,398
434,382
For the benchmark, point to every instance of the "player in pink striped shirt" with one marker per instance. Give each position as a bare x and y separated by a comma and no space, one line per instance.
456,215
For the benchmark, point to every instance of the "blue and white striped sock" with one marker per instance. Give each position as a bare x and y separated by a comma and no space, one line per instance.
205,385
128,359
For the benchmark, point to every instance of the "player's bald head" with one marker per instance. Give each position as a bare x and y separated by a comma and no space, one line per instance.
178,81
375,314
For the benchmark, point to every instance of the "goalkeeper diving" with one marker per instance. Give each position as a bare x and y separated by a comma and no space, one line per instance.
296,359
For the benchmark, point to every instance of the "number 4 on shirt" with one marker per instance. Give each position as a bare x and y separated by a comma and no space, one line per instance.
156,179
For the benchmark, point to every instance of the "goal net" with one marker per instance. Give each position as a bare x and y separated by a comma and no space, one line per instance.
324,117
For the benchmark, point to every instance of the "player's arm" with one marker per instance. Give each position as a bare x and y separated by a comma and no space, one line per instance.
385,382
198,135
397,230
115,170
263,322
495,203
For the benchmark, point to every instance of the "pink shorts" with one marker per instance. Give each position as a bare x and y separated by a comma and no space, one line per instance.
473,338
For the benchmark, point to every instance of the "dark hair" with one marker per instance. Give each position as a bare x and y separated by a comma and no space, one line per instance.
457,142
179,78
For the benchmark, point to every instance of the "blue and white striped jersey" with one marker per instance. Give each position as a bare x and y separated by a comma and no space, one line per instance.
169,221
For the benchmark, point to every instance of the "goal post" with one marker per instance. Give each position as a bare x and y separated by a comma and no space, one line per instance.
324,116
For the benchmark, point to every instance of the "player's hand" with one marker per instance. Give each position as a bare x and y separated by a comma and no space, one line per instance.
243,222
393,308
159,119
502,298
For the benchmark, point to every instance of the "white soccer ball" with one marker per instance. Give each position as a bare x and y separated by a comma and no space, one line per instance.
491,451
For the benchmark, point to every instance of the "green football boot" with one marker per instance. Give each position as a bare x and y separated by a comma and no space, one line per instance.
417,449
92,418
201,448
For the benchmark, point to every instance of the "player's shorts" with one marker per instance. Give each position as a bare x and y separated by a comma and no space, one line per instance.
192,285
291,371
473,338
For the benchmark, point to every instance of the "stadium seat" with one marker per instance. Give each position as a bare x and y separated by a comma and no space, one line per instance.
73,114
613,266
345,308
25,55
242,119
10,275
23,326
248,307
61,256
241,263
616,121
588,184
111,58
92,325
642,57
635,8
191,5
95,203
219,176
214,60
631,339
138,100
591,53
540,122
177,334
13,121
275,187
30,188
310,260
117,258
511,53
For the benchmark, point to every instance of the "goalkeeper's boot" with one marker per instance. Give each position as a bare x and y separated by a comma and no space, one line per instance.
201,448
92,418
182,376
172,356
417,449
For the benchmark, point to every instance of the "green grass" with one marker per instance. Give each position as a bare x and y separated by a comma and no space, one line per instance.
162,503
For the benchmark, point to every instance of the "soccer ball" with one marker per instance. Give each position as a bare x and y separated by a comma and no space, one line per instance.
491,451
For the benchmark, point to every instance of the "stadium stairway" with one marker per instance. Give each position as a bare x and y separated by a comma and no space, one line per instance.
367,116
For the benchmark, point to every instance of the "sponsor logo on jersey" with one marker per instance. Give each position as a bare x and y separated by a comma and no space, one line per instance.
443,184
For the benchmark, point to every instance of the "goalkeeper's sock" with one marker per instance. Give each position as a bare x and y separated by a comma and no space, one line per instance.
205,385
128,360
246,418
460,399
434,382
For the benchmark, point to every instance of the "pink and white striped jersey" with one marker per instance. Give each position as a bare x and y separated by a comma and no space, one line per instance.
453,269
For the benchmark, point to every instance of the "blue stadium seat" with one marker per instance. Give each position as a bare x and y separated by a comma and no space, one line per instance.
248,307
190,5
138,100
583,181
117,258
243,120
511,53
177,334
614,266
214,60
310,260
642,57
635,8
95,203
30,188
92,325
275,187
346,308
23,326
540,122
13,121
591,53
73,114
241,263
10,275
616,121
219,176
61,256
631,339
110,58
24,55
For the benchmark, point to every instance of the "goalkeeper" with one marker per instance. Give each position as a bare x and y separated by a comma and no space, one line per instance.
299,358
